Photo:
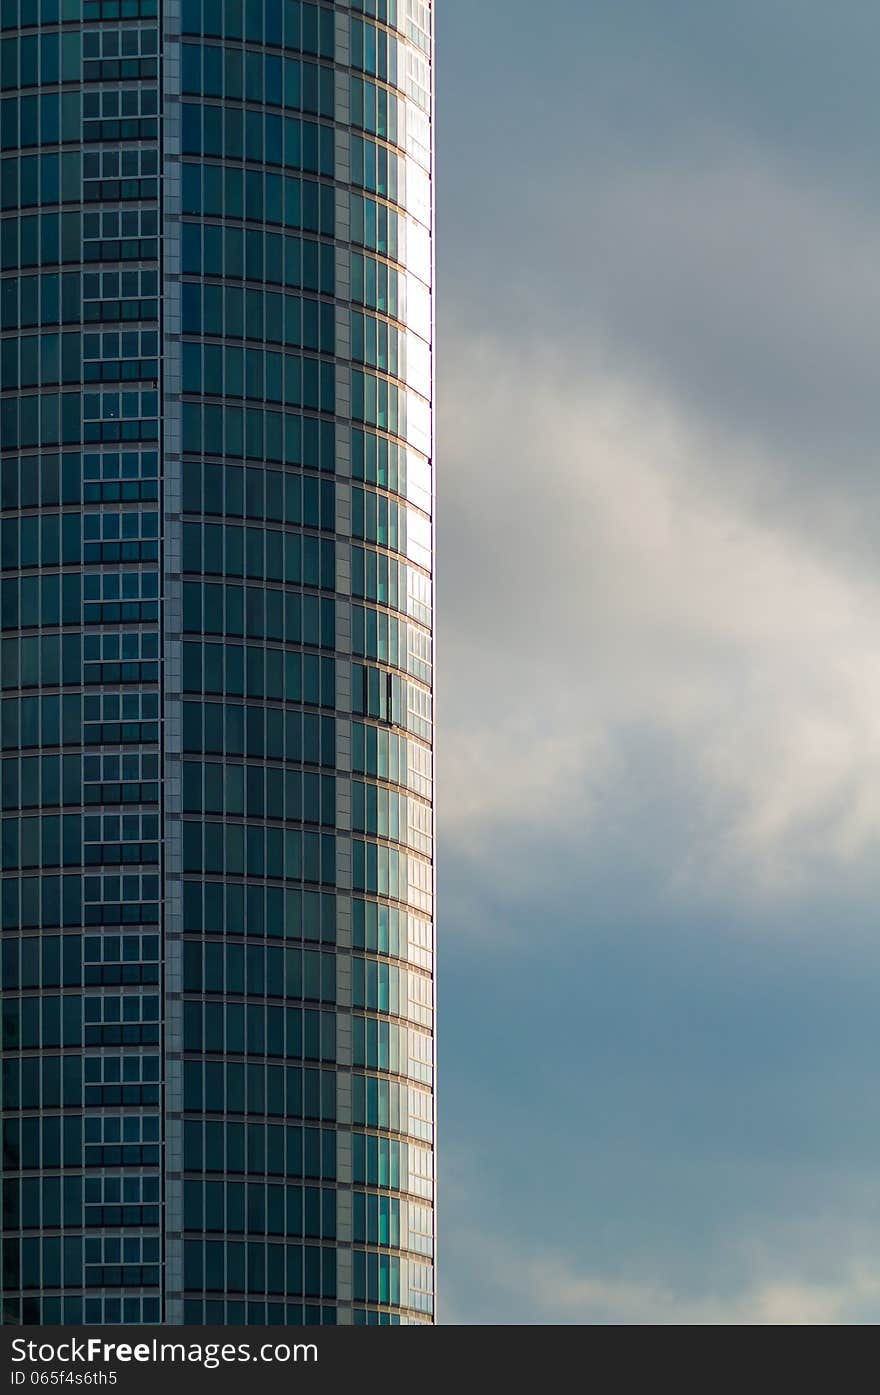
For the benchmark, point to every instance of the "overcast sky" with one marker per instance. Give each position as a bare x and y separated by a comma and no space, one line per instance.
659,660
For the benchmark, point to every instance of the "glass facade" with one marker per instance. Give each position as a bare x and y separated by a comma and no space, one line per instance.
216,484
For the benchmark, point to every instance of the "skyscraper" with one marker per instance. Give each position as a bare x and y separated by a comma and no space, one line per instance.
216,665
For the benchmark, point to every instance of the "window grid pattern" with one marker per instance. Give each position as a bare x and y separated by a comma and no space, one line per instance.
307,614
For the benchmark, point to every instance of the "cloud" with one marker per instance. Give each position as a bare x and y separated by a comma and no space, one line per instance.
811,1262
544,1287
607,584
748,290
659,743
713,262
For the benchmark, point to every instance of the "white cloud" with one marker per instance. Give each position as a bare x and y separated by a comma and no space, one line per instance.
605,579
541,1287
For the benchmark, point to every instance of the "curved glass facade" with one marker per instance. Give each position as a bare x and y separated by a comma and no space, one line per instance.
216,716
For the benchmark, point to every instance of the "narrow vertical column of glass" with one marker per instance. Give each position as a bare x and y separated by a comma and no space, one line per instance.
384,222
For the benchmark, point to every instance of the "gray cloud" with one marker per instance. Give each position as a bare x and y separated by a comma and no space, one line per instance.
604,580
544,1287
647,185
660,676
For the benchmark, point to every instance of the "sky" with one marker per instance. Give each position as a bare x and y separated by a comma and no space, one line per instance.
658,661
